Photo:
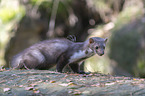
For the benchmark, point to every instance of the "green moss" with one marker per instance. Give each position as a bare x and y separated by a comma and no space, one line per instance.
125,40
10,13
126,16
7,14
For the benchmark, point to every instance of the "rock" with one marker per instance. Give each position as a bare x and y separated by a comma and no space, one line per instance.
95,84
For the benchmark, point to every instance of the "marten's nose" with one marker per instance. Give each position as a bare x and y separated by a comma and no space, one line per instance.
102,53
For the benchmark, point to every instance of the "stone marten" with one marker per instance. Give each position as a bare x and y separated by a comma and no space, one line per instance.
59,52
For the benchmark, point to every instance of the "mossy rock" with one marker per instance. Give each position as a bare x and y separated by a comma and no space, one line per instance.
126,48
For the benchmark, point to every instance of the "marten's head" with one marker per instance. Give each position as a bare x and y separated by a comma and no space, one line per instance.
97,45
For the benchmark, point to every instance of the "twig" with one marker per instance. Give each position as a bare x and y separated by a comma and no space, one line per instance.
50,32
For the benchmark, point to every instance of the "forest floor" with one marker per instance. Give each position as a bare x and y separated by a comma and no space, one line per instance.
50,83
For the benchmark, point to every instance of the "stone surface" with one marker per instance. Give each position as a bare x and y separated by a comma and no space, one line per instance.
39,83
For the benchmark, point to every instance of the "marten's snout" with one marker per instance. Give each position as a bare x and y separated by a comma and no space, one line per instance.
100,52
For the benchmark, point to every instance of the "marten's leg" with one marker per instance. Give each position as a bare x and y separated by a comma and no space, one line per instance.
62,62
75,67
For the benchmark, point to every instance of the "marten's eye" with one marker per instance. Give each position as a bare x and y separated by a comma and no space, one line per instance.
97,47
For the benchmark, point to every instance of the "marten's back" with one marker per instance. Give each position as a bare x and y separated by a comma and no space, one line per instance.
42,54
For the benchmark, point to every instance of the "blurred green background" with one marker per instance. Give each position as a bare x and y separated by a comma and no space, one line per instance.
25,22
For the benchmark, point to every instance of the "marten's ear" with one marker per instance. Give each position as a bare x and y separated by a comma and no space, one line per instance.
106,39
91,40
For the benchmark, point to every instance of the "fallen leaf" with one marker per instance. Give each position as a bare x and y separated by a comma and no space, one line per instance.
71,83
65,76
142,79
29,88
32,85
68,80
64,84
20,85
112,83
37,91
6,89
77,93
70,91
46,81
96,85
52,81
86,92
40,81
